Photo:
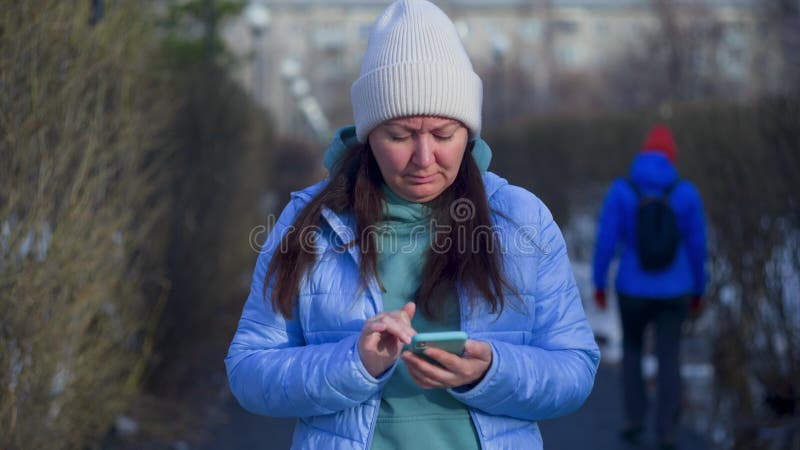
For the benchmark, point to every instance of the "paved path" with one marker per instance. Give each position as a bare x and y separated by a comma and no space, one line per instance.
594,426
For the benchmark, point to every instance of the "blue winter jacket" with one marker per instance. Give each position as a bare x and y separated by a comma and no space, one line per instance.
653,173
544,355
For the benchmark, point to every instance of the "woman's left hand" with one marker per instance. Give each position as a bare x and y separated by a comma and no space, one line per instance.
455,371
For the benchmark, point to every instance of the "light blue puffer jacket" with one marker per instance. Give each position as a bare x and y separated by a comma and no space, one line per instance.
544,354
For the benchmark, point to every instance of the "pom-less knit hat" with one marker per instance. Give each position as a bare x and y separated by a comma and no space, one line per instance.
415,64
660,140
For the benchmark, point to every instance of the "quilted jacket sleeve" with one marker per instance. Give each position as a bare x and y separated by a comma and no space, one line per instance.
553,375
609,230
273,372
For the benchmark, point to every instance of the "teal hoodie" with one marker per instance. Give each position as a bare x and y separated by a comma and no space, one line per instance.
409,416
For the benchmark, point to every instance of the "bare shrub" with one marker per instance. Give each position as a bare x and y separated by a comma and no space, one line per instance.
297,165
81,217
747,163
222,147
554,155
744,159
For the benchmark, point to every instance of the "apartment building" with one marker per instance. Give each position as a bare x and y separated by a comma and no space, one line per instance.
304,54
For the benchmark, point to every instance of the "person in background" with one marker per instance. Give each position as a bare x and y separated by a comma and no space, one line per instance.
411,233
658,221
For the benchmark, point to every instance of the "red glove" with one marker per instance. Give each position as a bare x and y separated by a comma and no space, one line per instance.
600,299
696,306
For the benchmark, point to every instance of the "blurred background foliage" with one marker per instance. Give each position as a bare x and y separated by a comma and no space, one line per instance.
130,169
134,169
745,161
83,208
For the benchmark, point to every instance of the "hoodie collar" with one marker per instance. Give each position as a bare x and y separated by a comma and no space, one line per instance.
652,171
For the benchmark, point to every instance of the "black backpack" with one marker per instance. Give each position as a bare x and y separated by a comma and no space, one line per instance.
657,234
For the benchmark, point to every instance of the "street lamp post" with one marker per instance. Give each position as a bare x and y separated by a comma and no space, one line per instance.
501,46
259,18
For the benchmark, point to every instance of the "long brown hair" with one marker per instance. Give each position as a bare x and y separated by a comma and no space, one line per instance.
467,252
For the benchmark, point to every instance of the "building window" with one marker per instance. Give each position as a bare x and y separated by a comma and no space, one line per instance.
565,27
567,55
530,30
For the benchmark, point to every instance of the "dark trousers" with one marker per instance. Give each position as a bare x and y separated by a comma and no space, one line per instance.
668,317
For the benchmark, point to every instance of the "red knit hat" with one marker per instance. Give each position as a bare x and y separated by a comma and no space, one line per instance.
660,140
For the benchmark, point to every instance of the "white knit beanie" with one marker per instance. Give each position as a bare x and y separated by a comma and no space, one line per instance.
415,64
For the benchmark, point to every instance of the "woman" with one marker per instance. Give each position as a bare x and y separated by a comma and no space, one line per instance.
410,233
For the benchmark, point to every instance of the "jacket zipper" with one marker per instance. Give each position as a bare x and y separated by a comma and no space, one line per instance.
377,302
462,307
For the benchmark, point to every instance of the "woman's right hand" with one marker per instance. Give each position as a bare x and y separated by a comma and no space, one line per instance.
382,338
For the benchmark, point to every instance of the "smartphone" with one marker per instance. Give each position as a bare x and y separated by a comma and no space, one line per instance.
450,341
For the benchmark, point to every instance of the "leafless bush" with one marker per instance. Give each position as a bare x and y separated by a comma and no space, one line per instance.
222,151
297,165
557,154
81,219
745,161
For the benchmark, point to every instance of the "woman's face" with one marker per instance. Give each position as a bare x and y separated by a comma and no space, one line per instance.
419,156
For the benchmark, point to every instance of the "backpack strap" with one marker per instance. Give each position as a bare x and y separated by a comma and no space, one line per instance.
671,188
634,187
666,194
